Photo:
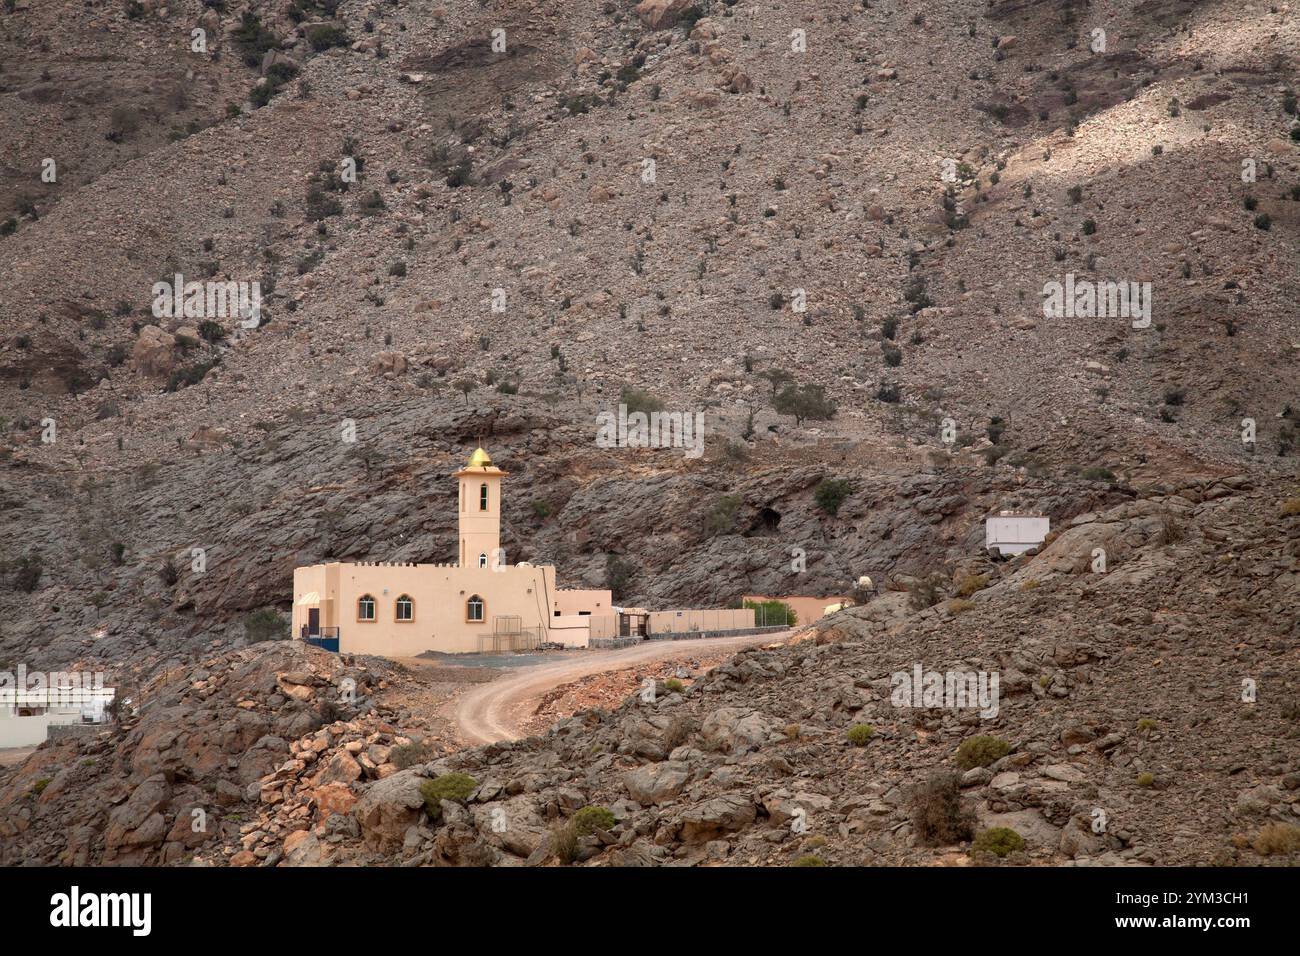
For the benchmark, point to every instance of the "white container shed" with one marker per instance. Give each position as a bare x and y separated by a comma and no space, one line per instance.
1012,532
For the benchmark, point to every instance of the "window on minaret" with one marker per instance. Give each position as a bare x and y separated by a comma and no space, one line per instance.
482,497
462,496
482,560
474,609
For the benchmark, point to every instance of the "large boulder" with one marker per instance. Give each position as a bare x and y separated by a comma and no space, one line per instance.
511,825
712,818
1072,551
388,809
782,807
302,848
333,798
138,825
656,783
662,14
154,351
261,758
340,768
735,729
388,363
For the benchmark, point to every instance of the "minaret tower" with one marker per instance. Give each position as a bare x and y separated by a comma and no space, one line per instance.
480,511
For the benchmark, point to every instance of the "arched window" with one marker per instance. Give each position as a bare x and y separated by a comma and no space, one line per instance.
482,497
482,560
462,496
405,608
474,608
365,608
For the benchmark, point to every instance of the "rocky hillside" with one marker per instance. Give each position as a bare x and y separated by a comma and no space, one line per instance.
704,204
201,740
829,229
1122,734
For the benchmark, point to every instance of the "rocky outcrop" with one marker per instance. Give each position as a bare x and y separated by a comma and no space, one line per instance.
211,746
154,351
735,729
389,809
661,14
657,782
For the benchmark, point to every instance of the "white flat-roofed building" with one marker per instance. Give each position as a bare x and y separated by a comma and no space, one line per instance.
1015,532
26,714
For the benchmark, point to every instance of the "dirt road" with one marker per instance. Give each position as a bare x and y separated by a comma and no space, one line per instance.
495,711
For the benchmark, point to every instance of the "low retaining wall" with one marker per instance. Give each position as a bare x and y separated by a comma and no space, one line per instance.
34,731
614,643
56,731
696,635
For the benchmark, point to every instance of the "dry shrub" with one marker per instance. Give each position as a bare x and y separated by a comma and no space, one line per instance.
981,750
1277,839
404,756
969,585
925,592
1172,529
937,811
564,842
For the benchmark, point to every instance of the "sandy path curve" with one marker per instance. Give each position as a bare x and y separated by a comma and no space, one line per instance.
493,711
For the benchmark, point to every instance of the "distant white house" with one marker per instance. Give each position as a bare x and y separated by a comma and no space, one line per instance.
1014,532
26,714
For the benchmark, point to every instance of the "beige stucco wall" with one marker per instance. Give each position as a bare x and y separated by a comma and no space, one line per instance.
440,594
662,622
603,626
307,580
570,630
806,609
576,600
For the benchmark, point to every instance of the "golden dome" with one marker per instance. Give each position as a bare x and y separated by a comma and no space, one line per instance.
480,459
